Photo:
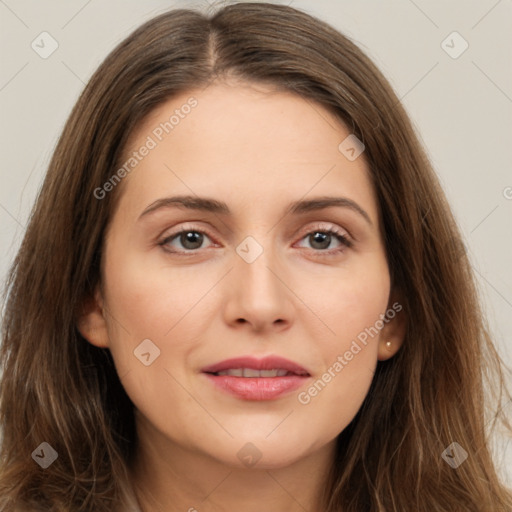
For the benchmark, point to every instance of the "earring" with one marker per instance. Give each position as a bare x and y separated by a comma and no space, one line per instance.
388,345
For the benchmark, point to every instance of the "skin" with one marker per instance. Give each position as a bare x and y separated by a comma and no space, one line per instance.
257,150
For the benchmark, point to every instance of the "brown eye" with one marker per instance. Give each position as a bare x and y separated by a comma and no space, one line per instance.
188,240
321,240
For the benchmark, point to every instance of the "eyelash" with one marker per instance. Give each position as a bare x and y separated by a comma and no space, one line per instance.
332,230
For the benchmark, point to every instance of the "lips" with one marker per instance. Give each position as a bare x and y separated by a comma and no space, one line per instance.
248,378
251,372
252,367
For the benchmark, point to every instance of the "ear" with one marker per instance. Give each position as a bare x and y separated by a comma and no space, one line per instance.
91,321
393,333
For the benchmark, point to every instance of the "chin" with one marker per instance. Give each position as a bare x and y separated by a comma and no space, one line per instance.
265,454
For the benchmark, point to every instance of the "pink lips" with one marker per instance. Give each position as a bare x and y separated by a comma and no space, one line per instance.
257,387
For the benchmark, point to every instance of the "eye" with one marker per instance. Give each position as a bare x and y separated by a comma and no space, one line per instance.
189,240
320,239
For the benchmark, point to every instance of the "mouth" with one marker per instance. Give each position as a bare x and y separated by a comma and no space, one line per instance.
248,378
252,373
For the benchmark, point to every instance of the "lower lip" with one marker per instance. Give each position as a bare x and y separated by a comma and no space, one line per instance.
257,388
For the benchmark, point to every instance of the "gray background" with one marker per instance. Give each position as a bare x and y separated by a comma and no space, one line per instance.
461,107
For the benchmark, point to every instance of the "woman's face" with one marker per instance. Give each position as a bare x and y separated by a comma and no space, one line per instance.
255,283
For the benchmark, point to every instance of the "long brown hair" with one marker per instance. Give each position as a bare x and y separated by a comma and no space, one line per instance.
444,385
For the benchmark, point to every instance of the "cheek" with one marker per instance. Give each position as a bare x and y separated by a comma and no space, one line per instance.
349,356
149,296
148,301
353,308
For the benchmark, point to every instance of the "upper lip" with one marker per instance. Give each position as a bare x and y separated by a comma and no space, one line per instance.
266,363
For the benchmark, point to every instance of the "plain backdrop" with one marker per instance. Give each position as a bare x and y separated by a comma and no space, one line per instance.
456,87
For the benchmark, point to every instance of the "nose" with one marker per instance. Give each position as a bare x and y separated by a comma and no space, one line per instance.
257,294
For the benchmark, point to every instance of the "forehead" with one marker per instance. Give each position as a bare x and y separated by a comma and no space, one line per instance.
246,143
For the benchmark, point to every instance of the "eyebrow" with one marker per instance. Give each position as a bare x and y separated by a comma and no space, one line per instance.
206,204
